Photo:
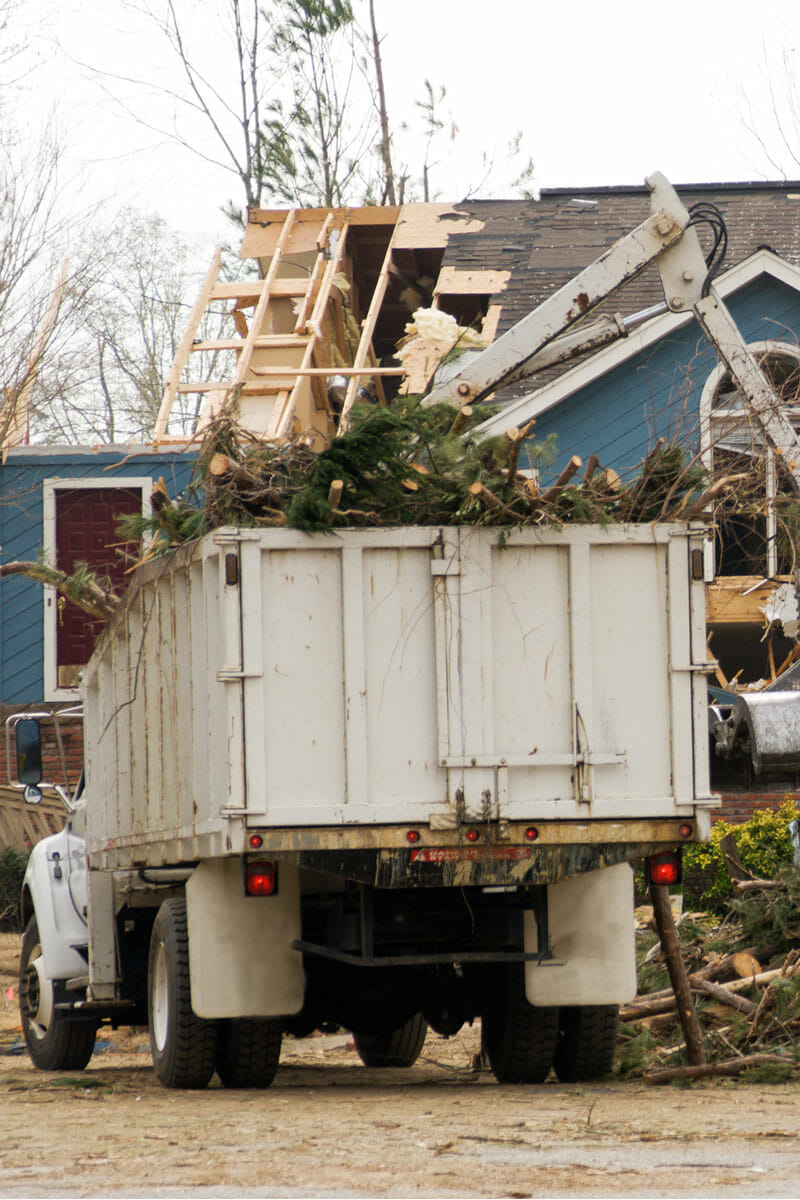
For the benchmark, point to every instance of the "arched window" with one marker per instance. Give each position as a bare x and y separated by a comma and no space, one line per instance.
754,525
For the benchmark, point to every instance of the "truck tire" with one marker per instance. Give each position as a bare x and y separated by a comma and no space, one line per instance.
248,1051
183,1045
399,1048
55,1041
519,1039
587,1039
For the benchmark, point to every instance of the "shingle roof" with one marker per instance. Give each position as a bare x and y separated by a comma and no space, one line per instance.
545,242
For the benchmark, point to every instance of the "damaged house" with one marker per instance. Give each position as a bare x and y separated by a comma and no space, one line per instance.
315,325
337,289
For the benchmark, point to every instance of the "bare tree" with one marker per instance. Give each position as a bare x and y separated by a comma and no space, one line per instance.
129,292
769,113
273,106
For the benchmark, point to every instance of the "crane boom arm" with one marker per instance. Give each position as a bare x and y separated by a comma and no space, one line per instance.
669,239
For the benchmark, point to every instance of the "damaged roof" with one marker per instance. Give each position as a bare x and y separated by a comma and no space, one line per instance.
545,242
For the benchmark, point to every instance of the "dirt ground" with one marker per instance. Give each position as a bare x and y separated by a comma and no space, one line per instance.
329,1127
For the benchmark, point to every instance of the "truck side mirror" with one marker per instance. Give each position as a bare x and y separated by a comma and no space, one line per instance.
29,751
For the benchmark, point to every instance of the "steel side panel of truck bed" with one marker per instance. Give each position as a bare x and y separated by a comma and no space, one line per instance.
278,679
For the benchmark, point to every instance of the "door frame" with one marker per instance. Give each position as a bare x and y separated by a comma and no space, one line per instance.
50,487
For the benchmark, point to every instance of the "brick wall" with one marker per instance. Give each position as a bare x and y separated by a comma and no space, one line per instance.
72,741
736,807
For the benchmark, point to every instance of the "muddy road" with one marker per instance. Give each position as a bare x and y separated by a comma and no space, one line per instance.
329,1127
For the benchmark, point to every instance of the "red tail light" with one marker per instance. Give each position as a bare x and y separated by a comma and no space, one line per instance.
664,868
261,879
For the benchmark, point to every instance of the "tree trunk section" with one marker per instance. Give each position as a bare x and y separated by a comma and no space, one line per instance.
670,944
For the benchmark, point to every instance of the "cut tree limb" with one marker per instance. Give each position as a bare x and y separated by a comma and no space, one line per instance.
574,465
670,942
729,1066
723,994
90,596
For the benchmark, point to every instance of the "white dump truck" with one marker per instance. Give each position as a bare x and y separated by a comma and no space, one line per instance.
382,780
388,779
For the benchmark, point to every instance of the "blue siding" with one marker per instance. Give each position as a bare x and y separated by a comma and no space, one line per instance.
22,535
656,393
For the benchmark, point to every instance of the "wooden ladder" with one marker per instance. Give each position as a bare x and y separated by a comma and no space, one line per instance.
283,353
274,386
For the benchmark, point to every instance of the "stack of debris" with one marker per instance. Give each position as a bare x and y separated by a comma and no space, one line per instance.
408,464
744,974
402,464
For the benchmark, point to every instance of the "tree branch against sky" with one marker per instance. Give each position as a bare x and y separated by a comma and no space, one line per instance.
768,107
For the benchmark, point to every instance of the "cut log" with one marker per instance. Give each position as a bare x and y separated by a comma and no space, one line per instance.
222,467
461,421
745,964
729,1066
482,493
335,492
703,501
670,942
570,469
650,1008
731,855
612,480
592,463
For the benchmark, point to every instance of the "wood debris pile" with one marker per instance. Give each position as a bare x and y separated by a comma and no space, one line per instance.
410,465
403,464
744,975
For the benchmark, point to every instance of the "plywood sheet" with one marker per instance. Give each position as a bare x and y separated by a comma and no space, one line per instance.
453,282
428,226
264,226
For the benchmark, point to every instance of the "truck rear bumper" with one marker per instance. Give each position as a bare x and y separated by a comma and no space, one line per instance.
508,853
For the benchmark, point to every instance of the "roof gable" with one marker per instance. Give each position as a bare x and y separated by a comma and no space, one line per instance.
763,263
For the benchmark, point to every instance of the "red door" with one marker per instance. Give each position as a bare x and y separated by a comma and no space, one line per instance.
86,532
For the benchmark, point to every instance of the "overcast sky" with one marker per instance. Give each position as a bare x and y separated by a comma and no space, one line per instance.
602,93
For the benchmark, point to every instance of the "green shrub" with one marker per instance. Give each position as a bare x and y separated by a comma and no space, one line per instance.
12,870
764,847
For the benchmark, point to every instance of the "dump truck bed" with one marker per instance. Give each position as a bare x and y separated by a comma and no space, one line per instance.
277,680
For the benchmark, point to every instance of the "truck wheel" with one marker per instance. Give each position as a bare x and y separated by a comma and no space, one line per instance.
587,1039
399,1048
519,1039
248,1052
182,1044
55,1041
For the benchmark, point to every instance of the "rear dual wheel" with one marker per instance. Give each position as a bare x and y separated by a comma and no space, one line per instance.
523,1042
186,1048
183,1045
587,1039
519,1039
